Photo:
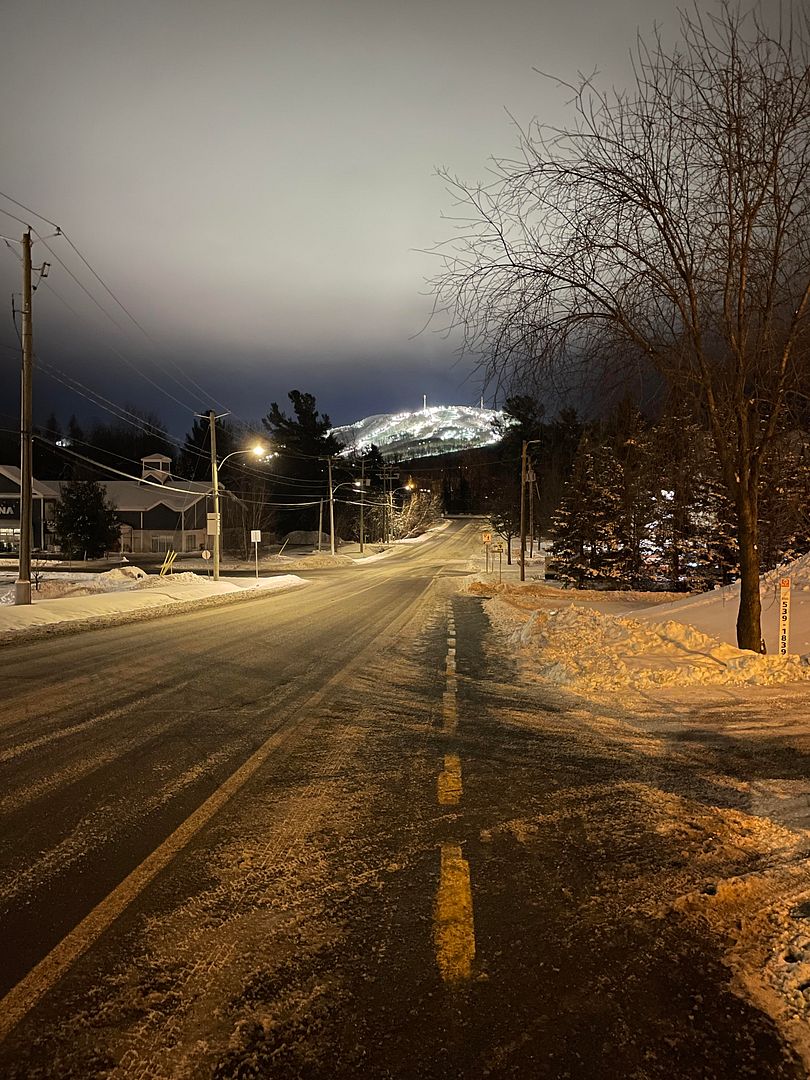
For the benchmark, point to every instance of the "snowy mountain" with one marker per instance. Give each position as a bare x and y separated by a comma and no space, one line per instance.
435,429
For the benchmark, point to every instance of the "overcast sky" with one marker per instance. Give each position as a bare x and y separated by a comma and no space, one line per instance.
255,180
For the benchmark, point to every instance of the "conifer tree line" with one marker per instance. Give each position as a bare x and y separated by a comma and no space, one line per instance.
285,493
644,506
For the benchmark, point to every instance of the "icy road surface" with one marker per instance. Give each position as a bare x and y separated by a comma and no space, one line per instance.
336,833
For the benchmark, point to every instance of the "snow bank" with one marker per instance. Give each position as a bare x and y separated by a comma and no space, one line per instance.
590,651
126,596
715,612
659,640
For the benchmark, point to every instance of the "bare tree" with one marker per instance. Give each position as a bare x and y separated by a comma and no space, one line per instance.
667,228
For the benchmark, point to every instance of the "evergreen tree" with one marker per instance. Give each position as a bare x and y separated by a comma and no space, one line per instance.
303,441
634,484
584,529
685,499
86,520
784,498
122,444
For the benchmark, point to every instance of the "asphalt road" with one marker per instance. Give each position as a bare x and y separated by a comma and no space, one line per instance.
330,832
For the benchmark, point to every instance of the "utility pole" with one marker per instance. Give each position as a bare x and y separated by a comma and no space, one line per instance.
320,523
331,508
362,500
22,586
524,467
212,421
523,511
530,479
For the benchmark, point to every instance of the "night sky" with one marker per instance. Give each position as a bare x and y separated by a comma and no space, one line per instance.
254,182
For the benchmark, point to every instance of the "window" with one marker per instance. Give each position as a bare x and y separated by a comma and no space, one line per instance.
162,543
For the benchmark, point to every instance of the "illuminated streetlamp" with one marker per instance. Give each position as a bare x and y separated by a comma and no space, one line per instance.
258,451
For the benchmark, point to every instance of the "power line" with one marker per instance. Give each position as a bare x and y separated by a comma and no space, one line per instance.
119,472
28,210
205,396
14,217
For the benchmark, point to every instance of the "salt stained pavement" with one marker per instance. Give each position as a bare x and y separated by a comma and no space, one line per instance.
718,743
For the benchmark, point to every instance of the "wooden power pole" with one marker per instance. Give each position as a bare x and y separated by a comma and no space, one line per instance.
22,586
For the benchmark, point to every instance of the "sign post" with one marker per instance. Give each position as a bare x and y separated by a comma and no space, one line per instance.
499,549
486,540
784,616
256,539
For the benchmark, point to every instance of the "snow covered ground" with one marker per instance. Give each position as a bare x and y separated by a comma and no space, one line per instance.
594,643
113,596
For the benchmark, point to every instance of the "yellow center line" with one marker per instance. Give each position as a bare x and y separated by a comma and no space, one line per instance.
449,784
453,930
449,712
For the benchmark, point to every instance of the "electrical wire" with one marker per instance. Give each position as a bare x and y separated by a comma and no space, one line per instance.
28,210
203,394
199,393
93,396
119,472
14,216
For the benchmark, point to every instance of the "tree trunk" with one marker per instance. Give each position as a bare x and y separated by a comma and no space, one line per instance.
749,624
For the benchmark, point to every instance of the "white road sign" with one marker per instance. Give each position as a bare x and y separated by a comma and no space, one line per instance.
784,616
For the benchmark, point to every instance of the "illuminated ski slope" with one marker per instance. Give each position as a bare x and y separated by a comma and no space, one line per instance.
436,429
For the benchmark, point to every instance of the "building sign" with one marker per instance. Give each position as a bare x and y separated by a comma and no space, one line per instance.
9,508
784,616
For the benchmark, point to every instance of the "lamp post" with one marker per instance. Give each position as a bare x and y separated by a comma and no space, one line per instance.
259,451
526,444
332,490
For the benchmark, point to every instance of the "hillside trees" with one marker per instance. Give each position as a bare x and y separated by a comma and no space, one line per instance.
668,228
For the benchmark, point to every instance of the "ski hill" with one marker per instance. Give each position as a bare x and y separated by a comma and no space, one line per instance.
436,429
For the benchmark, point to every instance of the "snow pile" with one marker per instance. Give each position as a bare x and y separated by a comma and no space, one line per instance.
589,651
715,612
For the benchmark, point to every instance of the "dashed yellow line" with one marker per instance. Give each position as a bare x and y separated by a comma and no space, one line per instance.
449,783
449,712
453,930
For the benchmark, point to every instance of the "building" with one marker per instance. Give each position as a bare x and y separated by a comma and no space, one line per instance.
159,512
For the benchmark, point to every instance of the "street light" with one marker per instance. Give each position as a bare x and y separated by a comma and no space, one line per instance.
332,490
258,451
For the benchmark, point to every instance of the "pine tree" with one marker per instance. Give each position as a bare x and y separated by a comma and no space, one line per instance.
633,482
302,441
584,526
86,521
